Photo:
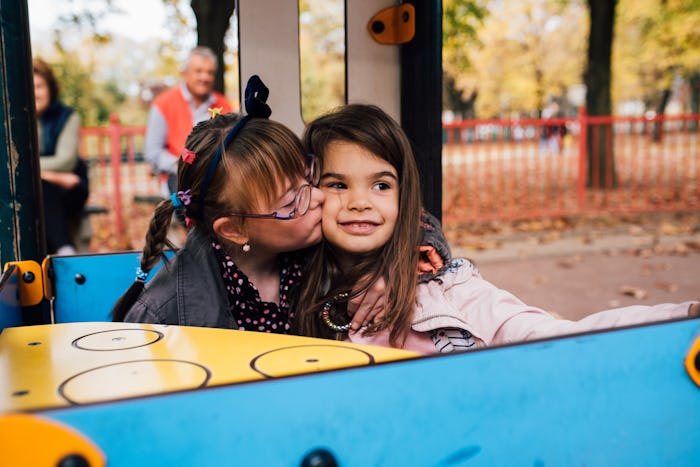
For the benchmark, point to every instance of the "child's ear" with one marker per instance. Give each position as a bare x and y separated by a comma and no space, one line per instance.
231,230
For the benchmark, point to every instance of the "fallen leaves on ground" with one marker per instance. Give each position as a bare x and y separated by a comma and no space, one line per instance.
650,268
570,263
645,228
540,280
667,286
636,292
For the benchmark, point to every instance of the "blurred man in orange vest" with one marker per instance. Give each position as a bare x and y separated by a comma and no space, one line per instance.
175,111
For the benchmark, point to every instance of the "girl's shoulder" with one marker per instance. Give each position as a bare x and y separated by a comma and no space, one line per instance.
456,269
455,273
459,264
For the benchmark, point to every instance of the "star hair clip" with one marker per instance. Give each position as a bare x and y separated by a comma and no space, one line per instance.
188,157
214,111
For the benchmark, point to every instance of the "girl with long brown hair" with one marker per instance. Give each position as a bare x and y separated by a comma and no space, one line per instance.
370,216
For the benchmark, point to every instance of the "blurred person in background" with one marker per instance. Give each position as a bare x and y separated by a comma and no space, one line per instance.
175,111
64,178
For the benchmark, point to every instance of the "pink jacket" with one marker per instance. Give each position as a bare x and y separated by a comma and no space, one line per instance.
461,299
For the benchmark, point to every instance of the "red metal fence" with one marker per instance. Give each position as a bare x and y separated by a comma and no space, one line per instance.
118,179
492,170
507,169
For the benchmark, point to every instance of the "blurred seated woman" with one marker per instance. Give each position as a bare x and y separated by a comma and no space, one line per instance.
64,178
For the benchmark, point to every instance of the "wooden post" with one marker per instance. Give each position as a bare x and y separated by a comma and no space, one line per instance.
22,234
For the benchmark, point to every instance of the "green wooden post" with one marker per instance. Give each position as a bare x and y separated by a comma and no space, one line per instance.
21,209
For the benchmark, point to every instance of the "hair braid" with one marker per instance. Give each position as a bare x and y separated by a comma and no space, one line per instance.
157,236
153,252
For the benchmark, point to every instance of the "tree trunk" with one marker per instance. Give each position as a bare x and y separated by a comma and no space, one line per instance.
213,17
454,100
694,81
598,102
660,111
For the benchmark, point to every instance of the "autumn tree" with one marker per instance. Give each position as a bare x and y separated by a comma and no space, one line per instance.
524,55
656,49
461,21
322,56
79,90
598,77
213,18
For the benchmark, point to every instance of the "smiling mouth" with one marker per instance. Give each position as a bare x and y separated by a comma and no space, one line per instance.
359,227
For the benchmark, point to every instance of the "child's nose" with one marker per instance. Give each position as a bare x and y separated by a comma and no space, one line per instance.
357,200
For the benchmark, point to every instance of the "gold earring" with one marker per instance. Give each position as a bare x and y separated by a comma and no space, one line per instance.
246,248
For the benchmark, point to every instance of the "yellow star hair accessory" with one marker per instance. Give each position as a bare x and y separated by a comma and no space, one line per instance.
214,111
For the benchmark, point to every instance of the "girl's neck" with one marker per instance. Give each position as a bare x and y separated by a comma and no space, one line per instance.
348,261
255,261
263,272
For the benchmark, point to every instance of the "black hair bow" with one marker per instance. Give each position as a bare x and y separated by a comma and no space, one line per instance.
255,105
256,98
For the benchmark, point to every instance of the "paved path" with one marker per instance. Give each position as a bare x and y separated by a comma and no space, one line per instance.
578,274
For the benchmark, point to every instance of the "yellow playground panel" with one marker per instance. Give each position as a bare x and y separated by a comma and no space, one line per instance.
61,365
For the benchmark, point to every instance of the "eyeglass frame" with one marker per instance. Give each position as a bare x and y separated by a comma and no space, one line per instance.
311,178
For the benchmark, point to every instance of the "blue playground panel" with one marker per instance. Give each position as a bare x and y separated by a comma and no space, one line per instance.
87,286
610,398
10,308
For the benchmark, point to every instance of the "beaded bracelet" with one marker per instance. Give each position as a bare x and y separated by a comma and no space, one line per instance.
326,313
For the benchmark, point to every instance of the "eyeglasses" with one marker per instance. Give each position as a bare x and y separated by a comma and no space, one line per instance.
302,201
313,171
302,198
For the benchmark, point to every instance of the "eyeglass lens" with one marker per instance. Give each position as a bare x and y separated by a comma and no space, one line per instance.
303,200
314,169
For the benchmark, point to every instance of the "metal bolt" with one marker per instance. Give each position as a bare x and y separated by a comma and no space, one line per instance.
28,277
80,279
378,27
73,460
319,458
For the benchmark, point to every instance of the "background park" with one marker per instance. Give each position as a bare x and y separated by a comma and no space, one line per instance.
508,201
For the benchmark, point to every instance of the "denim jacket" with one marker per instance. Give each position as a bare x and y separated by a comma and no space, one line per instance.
187,291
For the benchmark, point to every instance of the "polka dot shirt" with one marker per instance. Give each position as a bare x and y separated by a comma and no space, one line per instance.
249,311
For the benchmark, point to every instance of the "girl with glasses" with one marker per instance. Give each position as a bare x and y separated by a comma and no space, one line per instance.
247,192
370,225
244,193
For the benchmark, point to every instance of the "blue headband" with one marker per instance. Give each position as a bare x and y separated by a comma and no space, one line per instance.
256,107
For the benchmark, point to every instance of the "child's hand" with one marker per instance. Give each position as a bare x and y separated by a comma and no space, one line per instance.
429,260
694,310
368,307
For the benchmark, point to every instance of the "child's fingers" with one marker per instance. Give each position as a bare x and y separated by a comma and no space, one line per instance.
358,312
367,307
375,314
364,310
694,310
366,313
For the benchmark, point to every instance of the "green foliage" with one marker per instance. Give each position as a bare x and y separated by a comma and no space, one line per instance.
322,56
460,24
657,41
85,18
93,102
524,54
500,58
101,73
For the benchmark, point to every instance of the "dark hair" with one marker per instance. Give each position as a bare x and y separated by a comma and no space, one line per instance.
256,164
374,130
44,70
